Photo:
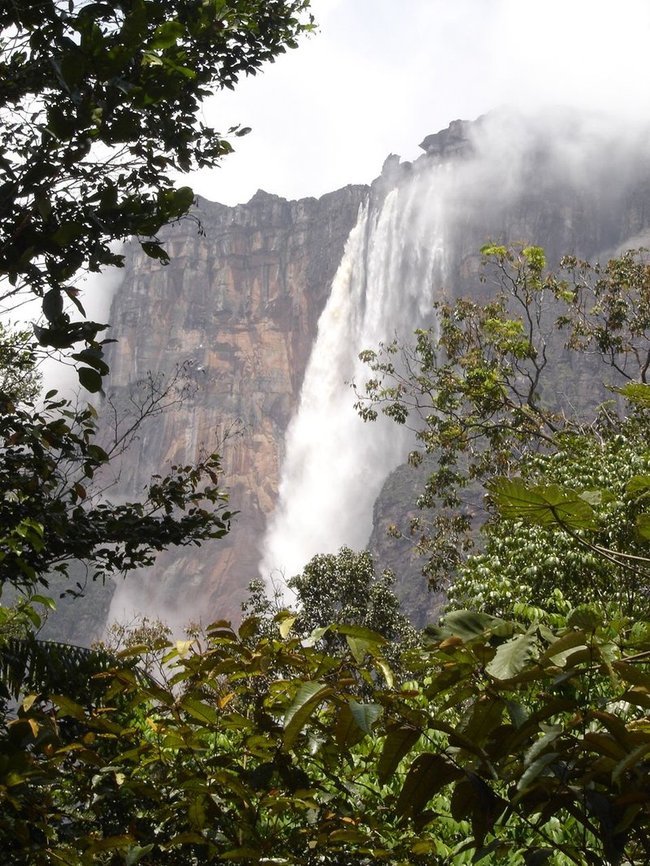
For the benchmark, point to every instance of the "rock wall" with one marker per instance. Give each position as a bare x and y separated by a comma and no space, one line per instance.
239,301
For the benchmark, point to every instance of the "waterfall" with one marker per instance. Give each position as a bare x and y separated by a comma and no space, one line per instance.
335,464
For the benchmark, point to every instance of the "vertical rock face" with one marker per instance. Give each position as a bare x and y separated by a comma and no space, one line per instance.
239,301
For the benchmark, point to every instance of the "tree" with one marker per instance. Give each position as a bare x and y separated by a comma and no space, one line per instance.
51,515
526,744
337,588
496,385
56,511
99,112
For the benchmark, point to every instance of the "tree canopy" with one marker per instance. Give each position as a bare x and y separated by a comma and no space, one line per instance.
508,384
99,113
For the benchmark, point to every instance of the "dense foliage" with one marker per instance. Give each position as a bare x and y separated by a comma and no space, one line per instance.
341,588
493,386
99,113
517,733
525,745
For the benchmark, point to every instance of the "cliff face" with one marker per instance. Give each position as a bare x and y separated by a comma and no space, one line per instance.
239,301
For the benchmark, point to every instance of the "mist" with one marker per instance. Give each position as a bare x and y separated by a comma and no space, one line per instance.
374,81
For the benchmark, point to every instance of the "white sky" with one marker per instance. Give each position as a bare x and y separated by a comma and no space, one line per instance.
380,75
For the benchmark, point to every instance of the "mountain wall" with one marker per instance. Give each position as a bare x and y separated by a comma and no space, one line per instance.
238,306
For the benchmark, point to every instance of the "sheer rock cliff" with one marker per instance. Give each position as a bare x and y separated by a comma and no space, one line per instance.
238,306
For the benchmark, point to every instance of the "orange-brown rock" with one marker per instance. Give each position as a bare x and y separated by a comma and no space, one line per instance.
240,301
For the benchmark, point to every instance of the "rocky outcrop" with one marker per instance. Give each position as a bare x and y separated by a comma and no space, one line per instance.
455,140
239,302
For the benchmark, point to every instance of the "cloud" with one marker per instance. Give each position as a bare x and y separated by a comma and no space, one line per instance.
378,77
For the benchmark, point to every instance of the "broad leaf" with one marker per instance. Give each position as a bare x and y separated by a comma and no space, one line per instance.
541,504
398,742
365,715
512,657
428,774
308,697
643,526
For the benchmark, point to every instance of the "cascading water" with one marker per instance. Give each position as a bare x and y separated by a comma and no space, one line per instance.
335,465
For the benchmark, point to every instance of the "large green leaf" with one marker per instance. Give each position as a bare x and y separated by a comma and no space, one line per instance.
199,710
541,504
308,697
427,775
643,526
512,657
365,715
468,624
398,742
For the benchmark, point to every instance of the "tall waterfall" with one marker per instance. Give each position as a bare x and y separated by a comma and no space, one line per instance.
335,465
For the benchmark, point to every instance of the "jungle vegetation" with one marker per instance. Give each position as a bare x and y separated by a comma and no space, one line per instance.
513,731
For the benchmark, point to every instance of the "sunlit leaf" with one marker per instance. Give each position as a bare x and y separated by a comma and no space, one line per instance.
513,656
365,715
308,697
541,504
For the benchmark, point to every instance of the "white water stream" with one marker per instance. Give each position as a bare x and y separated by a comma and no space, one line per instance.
335,464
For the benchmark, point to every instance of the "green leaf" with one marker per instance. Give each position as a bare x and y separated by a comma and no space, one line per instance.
384,667
466,625
397,744
534,771
196,813
512,657
638,484
487,714
286,624
538,856
68,707
558,651
632,760
427,775
44,600
360,648
136,853
52,305
67,232
90,379
586,617
543,505
199,710
155,251
360,632
643,526
92,357
365,715
167,35
308,697
346,731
